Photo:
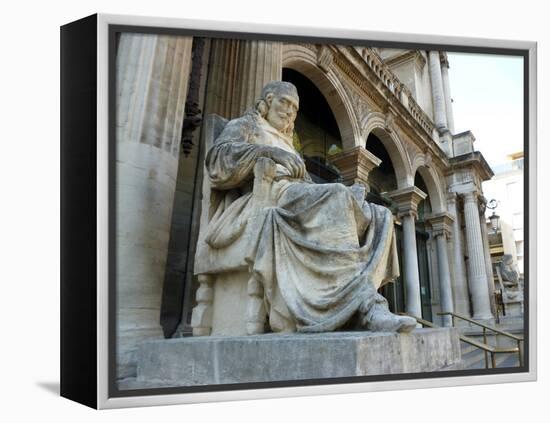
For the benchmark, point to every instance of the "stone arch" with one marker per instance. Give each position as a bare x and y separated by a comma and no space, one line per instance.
433,183
304,60
376,124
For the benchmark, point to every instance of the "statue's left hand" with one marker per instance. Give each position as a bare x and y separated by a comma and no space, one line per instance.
290,161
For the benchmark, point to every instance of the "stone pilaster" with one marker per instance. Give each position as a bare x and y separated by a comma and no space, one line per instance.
407,200
460,287
447,93
355,165
477,276
152,78
438,95
239,69
441,230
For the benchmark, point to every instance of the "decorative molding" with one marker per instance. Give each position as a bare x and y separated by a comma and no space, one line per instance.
407,200
325,58
355,165
441,223
414,56
391,115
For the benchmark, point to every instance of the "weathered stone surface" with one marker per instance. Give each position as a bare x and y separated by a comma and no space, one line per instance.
277,357
312,255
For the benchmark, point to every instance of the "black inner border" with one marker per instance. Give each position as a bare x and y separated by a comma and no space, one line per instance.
114,392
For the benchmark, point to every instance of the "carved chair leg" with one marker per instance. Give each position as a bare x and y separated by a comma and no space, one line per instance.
201,319
255,313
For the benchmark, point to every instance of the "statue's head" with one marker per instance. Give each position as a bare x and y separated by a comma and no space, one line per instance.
507,259
278,104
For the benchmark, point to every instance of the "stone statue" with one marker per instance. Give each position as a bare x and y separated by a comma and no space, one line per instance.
508,271
509,274
318,252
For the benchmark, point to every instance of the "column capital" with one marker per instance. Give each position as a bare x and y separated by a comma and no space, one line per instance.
468,191
355,164
407,200
470,196
451,197
441,223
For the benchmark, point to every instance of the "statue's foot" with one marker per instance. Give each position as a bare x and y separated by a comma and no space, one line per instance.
380,319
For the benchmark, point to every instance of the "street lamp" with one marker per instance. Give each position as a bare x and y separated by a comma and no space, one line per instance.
494,218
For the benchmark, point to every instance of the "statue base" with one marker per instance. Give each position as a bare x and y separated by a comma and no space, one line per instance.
214,360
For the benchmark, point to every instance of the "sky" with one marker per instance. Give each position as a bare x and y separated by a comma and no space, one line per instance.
487,93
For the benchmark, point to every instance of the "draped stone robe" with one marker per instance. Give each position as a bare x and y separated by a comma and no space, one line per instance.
319,250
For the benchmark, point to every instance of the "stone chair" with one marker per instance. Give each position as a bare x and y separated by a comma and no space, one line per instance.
231,303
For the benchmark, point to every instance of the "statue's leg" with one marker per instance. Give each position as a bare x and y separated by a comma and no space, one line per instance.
201,319
376,316
255,312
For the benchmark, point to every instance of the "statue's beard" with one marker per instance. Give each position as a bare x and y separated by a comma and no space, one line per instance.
281,124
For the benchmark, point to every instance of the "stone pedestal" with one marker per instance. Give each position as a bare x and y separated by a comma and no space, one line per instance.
278,357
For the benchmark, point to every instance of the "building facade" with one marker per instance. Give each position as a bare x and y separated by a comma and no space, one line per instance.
377,116
506,188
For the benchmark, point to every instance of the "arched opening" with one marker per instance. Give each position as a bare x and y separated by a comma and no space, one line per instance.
316,133
382,179
385,179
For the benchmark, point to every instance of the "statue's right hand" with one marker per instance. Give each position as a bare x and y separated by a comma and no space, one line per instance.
290,161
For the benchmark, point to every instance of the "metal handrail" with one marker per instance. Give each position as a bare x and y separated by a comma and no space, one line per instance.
500,332
487,349
518,339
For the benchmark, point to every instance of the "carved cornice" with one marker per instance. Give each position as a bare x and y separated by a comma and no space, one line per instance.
407,56
473,162
387,90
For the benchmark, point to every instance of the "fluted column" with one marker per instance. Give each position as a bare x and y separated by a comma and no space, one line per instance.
152,75
441,230
259,62
447,93
438,95
222,71
476,260
239,69
407,200
460,287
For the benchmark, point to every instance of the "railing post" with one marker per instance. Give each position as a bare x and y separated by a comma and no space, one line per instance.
519,354
493,362
485,351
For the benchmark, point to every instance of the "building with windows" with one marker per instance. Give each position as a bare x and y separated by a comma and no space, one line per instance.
506,187
377,116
